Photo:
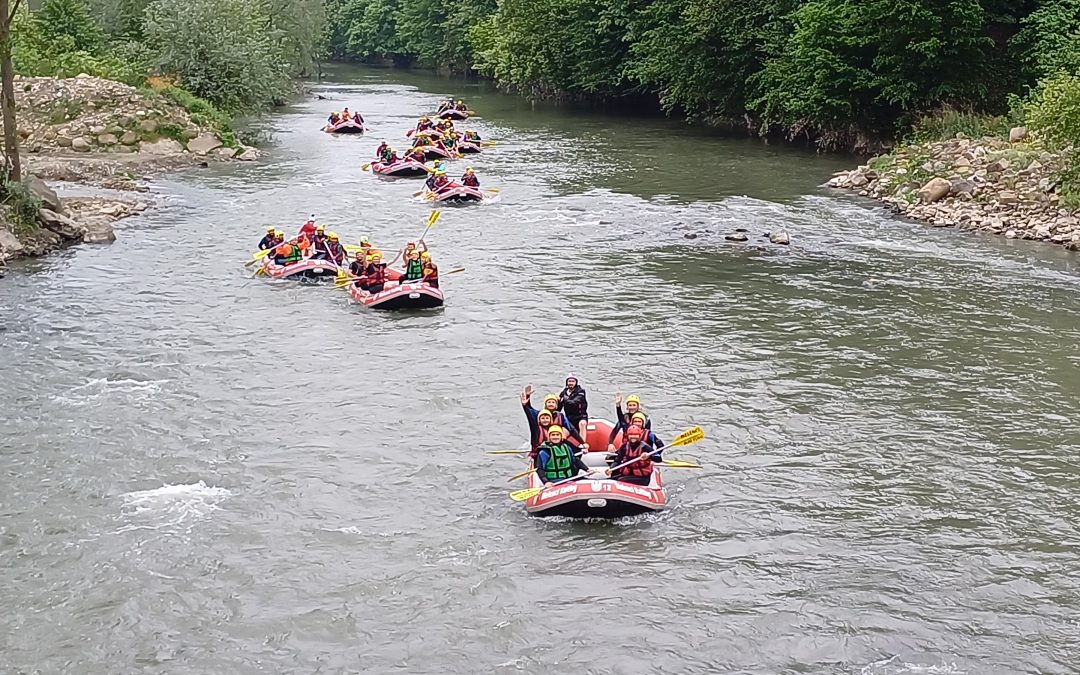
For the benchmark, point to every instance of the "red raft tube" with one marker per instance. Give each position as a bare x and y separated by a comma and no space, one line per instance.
599,498
403,167
304,269
347,126
407,295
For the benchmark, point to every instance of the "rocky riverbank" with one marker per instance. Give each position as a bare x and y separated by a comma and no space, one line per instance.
99,132
1004,187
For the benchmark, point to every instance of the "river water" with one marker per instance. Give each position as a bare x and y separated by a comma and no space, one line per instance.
203,473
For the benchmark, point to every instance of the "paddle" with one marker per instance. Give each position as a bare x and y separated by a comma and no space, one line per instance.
488,144
685,438
508,452
365,167
676,464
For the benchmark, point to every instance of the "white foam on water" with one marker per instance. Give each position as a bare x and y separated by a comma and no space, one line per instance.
99,387
894,665
173,505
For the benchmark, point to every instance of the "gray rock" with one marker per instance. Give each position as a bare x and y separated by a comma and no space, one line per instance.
779,237
230,152
62,225
735,236
99,231
81,144
97,130
63,141
204,144
935,189
148,126
162,146
998,166
10,246
858,180
961,186
115,130
191,133
1008,197
248,154
107,139
1010,234
129,138
690,235
49,199
1017,134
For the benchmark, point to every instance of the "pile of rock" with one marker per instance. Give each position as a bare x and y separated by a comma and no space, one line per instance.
89,114
987,184
63,222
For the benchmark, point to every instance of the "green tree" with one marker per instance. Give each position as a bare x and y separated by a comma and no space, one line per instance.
70,21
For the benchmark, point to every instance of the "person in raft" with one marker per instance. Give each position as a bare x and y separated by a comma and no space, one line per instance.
376,274
424,124
556,460
357,266
308,228
416,154
287,252
379,150
551,405
622,419
430,270
572,401
414,268
333,119
358,118
448,104
640,471
469,179
268,240
334,250
640,419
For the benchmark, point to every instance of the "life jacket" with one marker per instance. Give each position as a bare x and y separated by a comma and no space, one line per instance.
560,464
414,269
642,467
471,180
283,250
431,274
334,250
376,274
305,246
356,268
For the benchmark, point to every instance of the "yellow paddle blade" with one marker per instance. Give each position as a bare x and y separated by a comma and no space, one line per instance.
524,495
261,254
492,189
417,193
489,144
430,195
460,269
676,464
365,167
513,478
433,217
508,452
687,437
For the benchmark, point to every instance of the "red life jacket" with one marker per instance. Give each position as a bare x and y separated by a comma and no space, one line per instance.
642,467
376,274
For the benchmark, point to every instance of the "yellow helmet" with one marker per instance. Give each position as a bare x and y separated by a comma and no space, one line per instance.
460,101
279,233
271,229
633,398
555,429
638,417
468,169
425,256
544,411
376,255
551,397
320,228
332,236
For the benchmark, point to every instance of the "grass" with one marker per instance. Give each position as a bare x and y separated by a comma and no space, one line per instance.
948,123
23,206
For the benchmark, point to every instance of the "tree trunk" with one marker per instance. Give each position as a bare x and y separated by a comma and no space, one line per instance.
7,91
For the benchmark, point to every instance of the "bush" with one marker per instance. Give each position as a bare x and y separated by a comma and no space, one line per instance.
1053,111
948,123
23,205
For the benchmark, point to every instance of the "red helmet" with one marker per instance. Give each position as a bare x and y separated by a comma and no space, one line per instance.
635,430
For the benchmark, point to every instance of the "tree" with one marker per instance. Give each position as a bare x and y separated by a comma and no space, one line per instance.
7,91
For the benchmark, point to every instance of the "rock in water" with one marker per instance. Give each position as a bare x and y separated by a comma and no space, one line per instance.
204,144
99,231
61,225
934,190
779,237
735,236
49,199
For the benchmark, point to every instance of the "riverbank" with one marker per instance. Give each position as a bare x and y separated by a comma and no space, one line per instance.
1004,187
101,133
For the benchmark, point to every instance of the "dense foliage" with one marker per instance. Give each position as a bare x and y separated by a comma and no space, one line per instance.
237,54
832,69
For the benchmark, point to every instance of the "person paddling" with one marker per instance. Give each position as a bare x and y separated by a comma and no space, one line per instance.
268,239
556,460
640,471
469,178
335,252
376,273
572,401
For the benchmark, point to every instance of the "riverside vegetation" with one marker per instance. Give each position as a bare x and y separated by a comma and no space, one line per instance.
837,74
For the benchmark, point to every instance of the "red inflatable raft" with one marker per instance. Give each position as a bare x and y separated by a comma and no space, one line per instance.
600,498
305,269
458,193
436,152
397,295
465,146
453,114
344,127
404,167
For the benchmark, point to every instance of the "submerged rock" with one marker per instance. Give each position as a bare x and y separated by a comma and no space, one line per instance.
779,237
735,236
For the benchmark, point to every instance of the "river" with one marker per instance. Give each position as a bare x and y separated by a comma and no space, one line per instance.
203,473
